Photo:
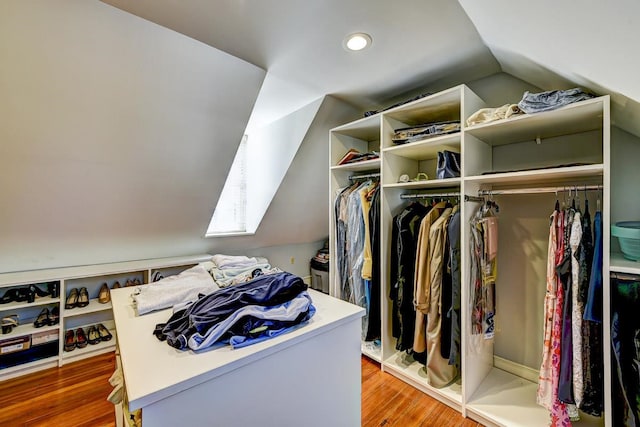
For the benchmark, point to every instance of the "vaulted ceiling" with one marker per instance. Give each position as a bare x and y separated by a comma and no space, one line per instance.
416,43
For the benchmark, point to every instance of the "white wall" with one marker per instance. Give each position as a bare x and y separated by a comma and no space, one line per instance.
270,151
116,134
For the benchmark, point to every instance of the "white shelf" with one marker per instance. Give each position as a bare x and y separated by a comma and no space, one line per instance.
540,175
371,351
575,118
27,329
23,368
52,274
38,302
366,129
427,148
432,183
507,400
619,264
440,106
90,349
404,367
93,307
358,166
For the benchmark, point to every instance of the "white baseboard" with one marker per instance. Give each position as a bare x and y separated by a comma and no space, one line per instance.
516,369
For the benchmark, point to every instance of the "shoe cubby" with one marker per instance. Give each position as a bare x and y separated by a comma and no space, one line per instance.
27,348
102,346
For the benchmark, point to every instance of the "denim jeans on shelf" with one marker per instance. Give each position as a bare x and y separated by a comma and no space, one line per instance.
551,100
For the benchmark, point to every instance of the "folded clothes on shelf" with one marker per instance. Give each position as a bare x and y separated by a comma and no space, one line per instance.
551,100
415,98
487,115
353,156
423,131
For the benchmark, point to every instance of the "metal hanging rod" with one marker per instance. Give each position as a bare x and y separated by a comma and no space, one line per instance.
468,198
624,276
429,195
540,190
366,175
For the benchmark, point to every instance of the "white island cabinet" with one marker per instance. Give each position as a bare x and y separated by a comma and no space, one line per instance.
310,376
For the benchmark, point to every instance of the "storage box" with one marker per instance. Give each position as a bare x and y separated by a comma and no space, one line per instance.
320,280
13,345
44,337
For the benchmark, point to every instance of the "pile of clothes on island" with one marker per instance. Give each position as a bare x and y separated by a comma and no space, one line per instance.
233,300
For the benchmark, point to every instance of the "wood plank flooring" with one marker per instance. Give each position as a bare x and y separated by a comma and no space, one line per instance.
75,395
387,401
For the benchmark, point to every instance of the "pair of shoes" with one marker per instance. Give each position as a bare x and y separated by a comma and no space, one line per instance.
104,296
46,318
18,295
116,285
134,282
75,339
8,323
157,276
77,298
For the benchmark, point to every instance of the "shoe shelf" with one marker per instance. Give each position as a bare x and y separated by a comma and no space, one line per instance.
28,367
27,329
18,305
93,307
90,349
92,277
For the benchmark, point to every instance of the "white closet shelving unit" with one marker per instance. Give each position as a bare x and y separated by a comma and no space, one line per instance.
566,147
92,277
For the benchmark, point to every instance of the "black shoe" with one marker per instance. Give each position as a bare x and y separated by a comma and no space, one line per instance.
54,316
83,297
9,296
54,289
72,299
105,335
93,335
43,319
37,291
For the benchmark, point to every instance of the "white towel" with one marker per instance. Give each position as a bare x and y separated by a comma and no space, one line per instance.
224,262
172,290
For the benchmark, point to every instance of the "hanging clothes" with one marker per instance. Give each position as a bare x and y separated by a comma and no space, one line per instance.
453,312
484,251
422,279
375,323
353,248
439,372
404,236
593,364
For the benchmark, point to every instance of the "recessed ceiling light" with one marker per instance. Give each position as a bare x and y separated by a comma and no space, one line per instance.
357,41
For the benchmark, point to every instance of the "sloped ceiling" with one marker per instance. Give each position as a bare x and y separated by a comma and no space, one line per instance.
299,43
554,44
116,134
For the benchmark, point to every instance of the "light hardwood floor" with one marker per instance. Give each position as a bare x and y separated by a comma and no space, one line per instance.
75,395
